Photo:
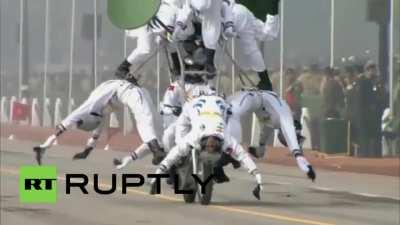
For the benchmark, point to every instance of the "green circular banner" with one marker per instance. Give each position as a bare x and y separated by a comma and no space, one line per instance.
131,14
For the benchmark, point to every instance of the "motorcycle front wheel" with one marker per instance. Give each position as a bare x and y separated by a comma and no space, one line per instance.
205,198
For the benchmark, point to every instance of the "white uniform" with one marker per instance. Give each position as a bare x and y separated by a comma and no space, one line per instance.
272,112
175,97
91,115
210,13
206,116
140,104
249,31
177,3
148,36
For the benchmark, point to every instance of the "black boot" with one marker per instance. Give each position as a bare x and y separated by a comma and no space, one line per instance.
176,70
117,162
172,174
265,82
158,152
210,66
219,175
253,151
300,138
84,154
39,152
123,69
226,159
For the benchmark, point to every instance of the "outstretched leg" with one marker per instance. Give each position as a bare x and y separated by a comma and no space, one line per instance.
39,150
139,153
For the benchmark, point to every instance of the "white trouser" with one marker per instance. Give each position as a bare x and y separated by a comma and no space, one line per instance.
280,115
168,119
249,55
211,20
168,138
147,42
143,110
234,128
273,113
148,37
83,116
144,48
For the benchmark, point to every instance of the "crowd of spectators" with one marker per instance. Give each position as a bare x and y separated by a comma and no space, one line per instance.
355,94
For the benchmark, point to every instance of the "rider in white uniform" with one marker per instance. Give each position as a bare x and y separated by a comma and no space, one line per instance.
214,16
206,117
92,114
272,113
249,31
172,104
149,36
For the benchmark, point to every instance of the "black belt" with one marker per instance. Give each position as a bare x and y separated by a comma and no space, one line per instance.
193,79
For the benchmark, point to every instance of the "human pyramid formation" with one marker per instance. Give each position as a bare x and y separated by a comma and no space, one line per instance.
194,114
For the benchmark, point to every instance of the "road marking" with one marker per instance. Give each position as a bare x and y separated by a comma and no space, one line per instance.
322,188
280,183
14,171
270,216
368,195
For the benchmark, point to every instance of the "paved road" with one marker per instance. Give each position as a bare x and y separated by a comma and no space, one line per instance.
289,198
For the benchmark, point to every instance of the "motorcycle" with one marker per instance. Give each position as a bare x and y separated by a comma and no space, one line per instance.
200,163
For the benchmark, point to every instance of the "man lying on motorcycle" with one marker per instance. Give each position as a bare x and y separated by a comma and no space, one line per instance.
202,126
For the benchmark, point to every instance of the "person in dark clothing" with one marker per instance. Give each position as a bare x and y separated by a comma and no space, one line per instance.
332,95
373,100
352,106
369,101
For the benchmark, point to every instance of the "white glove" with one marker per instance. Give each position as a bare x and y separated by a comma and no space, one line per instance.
229,29
119,164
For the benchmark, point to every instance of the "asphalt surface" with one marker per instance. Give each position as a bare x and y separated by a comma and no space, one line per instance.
289,197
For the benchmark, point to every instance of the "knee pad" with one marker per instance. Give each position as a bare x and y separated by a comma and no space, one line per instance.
90,123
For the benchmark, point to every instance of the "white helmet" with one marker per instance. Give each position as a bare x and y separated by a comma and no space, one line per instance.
200,90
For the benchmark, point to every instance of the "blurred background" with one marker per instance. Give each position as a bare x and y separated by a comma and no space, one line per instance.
336,62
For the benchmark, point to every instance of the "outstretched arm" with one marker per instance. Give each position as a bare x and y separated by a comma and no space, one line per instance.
183,25
91,143
238,153
138,153
269,30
